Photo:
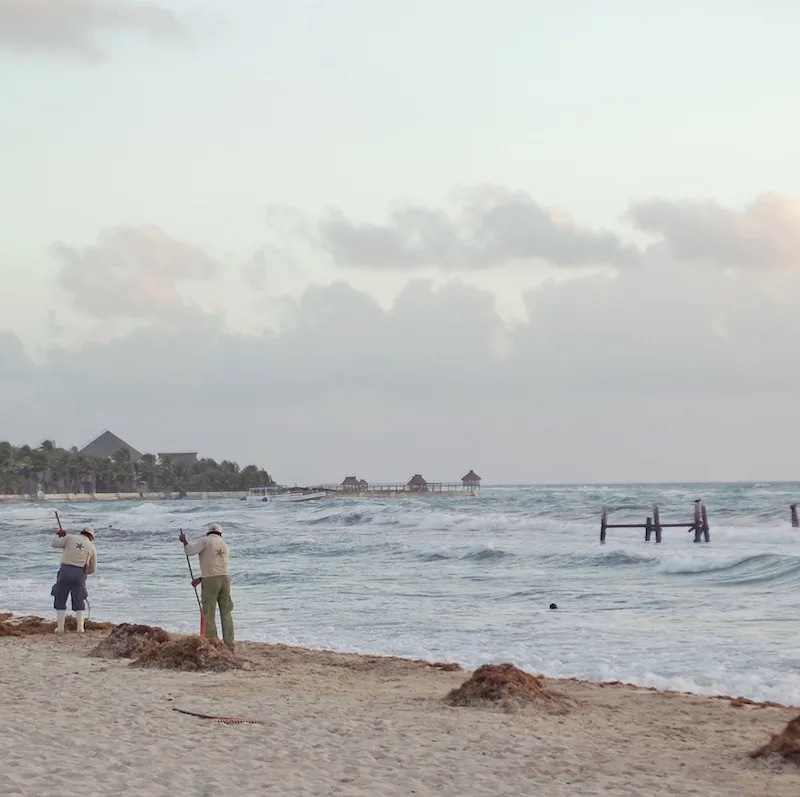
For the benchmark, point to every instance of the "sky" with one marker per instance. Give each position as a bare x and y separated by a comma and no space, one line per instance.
549,241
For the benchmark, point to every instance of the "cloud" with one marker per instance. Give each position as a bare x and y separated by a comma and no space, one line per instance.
662,373
269,262
132,272
14,363
72,27
766,234
490,227
255,271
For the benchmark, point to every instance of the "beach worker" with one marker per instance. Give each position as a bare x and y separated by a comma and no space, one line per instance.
78,560
215,580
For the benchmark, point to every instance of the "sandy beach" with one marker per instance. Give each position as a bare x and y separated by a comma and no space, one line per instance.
334,724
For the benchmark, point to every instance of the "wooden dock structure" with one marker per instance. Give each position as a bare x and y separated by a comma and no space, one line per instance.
433,489
653,526
417,485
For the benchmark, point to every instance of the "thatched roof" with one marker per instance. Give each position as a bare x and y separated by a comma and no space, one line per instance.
417,481
363,483
350,481
471,478
107,444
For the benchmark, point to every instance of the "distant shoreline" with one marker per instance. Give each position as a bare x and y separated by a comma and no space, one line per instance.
71,498
95,497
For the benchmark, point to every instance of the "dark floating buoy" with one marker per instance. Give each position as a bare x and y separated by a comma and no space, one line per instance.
553,606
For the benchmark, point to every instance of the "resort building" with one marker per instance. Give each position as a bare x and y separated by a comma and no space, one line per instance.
471,480
417,484
107,444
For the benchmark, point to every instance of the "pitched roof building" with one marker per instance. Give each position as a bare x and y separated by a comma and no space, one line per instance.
107,444
471,479
417,483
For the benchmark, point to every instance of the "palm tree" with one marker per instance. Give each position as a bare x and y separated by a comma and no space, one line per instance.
50,468
147,470
86,472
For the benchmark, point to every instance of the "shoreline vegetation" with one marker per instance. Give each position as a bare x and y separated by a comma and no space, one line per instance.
51,473
48,471
318,722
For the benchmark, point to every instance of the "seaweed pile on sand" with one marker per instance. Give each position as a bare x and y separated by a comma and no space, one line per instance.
31,625
785,744
129,640
191,654
506,687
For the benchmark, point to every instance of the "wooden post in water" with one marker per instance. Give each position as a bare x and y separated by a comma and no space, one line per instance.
795,518
697,526
706,527
657,522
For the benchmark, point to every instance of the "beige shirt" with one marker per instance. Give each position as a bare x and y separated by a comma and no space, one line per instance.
215,556
78,551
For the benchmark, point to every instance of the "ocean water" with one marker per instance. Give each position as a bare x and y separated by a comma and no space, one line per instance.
466,580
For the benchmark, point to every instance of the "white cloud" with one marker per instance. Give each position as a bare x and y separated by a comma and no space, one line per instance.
490,227
438,383
666,371
132,272
73,27
765,234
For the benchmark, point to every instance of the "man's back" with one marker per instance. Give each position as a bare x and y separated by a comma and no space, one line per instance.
78,551
215,557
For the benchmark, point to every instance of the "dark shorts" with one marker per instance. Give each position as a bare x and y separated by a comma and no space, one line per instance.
71,582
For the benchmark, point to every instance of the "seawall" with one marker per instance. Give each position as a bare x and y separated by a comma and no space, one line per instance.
90,497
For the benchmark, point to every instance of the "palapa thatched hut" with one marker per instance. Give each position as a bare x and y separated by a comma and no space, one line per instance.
471,480
417,484
351,485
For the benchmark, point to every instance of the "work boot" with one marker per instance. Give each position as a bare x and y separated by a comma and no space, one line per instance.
61,617
79,620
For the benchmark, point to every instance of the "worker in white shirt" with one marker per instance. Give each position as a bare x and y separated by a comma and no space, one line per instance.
78,560
215,578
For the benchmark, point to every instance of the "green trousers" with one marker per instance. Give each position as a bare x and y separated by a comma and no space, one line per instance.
217,591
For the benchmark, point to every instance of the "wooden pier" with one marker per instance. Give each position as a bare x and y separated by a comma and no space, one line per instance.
388,490
417,485
653,526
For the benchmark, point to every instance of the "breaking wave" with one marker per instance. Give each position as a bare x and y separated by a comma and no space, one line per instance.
465,580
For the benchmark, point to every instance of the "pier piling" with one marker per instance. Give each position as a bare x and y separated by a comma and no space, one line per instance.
653,527
657,522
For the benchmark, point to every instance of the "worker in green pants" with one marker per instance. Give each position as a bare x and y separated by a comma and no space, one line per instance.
215,578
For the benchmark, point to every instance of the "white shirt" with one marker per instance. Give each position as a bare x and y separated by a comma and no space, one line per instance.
215,556
78,551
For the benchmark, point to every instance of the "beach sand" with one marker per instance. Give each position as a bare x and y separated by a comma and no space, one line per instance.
333,724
